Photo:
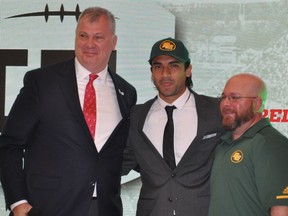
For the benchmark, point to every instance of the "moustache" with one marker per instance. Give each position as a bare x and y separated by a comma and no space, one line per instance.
165,80
226,110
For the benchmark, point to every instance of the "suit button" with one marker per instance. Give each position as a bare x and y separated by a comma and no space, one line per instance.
170,199
173,175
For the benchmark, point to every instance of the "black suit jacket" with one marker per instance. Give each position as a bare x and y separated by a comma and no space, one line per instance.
186,188
61,162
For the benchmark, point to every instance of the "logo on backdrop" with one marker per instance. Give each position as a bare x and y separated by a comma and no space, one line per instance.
46,13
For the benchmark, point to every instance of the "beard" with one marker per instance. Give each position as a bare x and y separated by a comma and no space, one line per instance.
230,123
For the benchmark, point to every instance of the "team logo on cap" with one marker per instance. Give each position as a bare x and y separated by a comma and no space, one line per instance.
167,45
237,156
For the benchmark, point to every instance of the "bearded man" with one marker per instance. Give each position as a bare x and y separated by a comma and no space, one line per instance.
249,175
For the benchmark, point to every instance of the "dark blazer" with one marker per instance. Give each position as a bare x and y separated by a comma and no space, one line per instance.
186,188
61,162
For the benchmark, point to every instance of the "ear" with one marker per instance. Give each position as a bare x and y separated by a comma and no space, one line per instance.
258,105
152,75
188,71
115,39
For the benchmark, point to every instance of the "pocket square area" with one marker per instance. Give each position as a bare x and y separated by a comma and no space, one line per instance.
209,136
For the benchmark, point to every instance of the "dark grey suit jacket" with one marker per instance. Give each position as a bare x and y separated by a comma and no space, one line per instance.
184,190
61,162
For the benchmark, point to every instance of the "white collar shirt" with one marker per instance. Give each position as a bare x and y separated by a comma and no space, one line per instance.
185,123
108,113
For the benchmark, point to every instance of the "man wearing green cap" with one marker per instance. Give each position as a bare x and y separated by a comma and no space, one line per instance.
173,152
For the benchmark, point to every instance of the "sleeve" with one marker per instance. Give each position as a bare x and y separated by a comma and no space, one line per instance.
129,160
14,139
271,171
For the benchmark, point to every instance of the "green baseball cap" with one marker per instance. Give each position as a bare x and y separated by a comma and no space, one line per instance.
171,47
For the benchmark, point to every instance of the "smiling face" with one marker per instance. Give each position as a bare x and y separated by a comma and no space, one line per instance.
240,114
94,43
237,113
169,76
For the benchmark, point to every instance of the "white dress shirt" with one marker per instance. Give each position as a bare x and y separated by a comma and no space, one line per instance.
185,123
108,113
107,108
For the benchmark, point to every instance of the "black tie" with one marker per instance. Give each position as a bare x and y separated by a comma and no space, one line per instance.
168,139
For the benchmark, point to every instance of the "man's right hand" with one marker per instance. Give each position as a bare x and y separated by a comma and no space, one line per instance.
22,209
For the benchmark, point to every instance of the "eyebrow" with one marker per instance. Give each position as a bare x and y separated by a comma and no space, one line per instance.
171,62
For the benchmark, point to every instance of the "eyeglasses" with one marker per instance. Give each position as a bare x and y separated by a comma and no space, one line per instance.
233,98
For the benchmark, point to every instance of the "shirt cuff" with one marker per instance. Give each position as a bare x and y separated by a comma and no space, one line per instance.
17,203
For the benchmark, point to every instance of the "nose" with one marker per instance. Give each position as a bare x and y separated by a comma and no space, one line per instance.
90,43
166,71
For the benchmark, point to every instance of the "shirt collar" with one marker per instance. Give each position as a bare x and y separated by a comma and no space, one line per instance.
179,102
83,73
251,132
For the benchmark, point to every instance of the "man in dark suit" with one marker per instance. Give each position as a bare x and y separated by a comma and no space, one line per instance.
174,182
50,159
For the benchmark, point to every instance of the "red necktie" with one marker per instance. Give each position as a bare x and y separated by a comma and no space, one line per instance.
89,107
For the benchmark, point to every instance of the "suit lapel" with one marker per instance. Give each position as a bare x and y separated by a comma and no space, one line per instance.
68,84
142,117
203,118
120,93
144,112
